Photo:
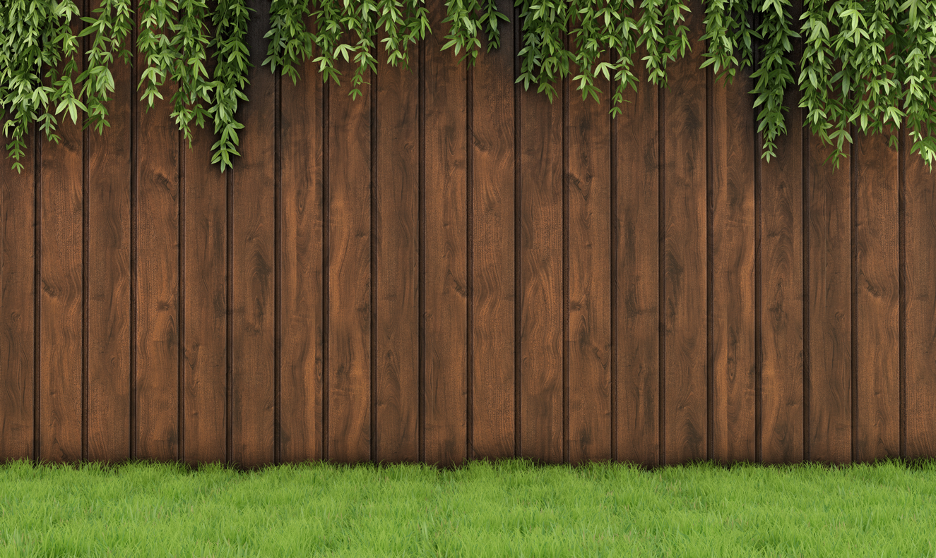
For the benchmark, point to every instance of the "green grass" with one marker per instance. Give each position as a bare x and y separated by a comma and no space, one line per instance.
508,508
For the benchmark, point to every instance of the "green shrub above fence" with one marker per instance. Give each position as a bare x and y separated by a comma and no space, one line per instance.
866,63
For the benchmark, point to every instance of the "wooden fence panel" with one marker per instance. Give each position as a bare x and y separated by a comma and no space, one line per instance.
453,268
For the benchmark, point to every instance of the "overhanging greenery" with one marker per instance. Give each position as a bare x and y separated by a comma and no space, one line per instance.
866,63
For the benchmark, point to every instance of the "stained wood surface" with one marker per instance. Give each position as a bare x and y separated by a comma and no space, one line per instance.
732,344
588,131
636,274
158,280
452,268
349,250
446,259
252,296
398,260
301,230
493,298
17,308
684,169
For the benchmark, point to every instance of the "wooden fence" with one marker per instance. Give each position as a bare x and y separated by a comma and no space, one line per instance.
453,268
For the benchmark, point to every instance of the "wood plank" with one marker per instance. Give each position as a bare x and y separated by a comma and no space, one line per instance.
446,279
732,342
685,396
588,133
62,279
252,296
397,259
157,243
920,297
877,307
492,272
301,266
205,373
636,277
349,279
17,303
108,307
829,307
540,214
781,289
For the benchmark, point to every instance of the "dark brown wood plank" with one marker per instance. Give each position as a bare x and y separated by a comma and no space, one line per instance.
781,289
205,362
157,243
17,303
685,253
349,279
252,296
446,274
636,274
540,214
732,198
301,266
492,197
920,238
108,307
877,307
829,309
61,278
589,227
397,259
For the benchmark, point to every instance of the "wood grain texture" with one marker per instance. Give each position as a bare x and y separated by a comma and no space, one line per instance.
540,214
301,266
17,305
829,307
446,259
920,277
252,296
878,298
493,188
781,296
205,362
685,253
349,280
61,280
588,134
398,260
637,273
157,243
732,213
108,319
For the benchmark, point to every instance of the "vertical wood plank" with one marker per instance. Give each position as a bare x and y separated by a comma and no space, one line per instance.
492,272
541,397
397,259
158,325
878,298
301,266
205,374
636,281
446,281
685,397
732,343
589,344
349,280
109,276
829,307
61,269
252,296
17,303
920,206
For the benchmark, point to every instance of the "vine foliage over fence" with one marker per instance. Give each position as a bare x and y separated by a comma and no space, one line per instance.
868,63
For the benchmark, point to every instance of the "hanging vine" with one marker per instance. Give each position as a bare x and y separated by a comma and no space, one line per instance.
866,65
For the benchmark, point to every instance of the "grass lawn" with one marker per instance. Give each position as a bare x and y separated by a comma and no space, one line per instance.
508,508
